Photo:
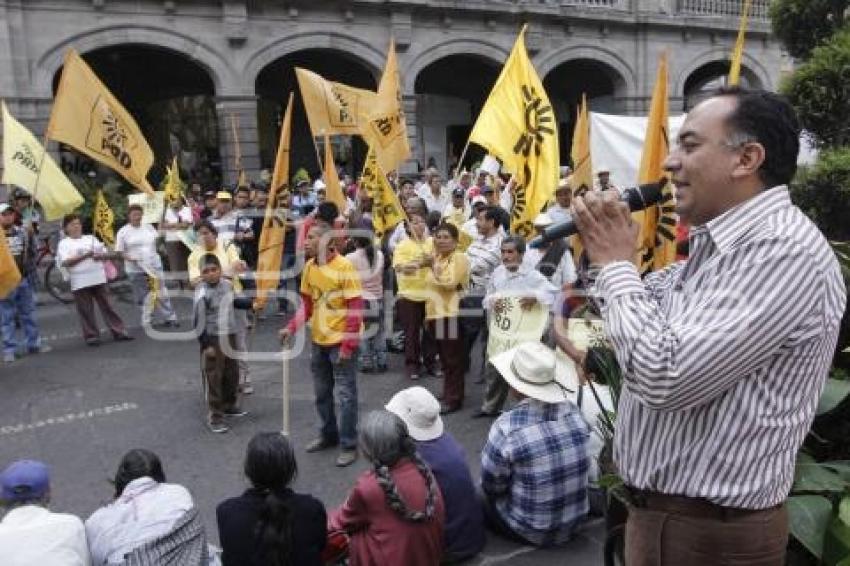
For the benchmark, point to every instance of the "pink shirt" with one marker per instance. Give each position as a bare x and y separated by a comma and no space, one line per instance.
371,277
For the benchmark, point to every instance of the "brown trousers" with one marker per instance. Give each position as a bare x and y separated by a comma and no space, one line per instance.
418,341
677,532
84,300
222,373
446,331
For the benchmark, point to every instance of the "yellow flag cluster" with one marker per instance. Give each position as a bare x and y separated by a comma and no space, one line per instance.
384,127
26,165
173,186
87,117
386,210
337,109
10,275
104,220
270,246
333,189
738,51
657,238
582,175
517,125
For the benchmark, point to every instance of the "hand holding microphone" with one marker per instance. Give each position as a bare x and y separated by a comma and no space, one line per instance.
604,222
607,230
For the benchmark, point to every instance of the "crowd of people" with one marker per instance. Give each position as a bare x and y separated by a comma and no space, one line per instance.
706,387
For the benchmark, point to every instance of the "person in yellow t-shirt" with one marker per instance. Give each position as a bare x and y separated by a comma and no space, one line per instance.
447,278
411,276
228,256
332,302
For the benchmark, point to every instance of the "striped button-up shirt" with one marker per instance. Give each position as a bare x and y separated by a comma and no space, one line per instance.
724,356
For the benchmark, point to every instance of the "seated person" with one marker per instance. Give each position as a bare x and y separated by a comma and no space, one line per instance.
213,295
464,529
269,524
534,465
30,533
394,514
145,509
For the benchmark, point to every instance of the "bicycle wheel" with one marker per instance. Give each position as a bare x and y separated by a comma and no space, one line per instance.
56,285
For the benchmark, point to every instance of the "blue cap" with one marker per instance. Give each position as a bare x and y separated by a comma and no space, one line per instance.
24,480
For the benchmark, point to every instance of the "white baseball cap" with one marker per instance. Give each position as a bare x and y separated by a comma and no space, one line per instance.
420,411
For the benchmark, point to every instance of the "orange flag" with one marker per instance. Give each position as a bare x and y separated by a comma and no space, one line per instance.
270,246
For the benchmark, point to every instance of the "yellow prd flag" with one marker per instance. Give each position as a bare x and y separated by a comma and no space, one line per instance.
333,108
103,220
582,175
332,188
657,238
10,275
270,246
90,119
517,125
384,127
22,157
173,186
738,51
386,210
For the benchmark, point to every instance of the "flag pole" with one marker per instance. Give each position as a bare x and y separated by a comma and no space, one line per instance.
460,163
285,378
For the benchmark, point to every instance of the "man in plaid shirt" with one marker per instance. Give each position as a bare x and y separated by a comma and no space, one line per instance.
534,465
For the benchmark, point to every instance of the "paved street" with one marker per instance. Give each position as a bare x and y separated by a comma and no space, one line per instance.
79,409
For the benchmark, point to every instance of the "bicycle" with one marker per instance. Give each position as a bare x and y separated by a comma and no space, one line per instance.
53,280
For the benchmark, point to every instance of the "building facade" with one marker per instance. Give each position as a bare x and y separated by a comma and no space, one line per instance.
207,80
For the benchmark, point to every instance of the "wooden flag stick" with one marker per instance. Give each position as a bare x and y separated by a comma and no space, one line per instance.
285,377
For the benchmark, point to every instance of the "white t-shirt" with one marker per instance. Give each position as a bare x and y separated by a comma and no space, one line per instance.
32,535
88,272
139,244
145,511
171,217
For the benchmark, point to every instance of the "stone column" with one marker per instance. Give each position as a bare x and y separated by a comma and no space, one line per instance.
242,110
409,166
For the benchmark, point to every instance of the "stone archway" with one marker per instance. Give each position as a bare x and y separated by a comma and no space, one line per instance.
178,118
710,69
568,81
446,107
277,79
213,62
616,66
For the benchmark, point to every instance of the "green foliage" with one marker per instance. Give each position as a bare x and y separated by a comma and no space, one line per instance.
833,394
820,91
801,25
808,519
114,191
822,191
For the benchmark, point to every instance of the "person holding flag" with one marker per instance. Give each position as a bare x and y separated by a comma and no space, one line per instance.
20,303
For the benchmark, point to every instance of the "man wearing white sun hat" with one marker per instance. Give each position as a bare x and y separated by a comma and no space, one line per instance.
464,525
535,463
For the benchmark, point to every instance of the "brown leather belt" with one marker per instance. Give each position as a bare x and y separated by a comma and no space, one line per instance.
697,508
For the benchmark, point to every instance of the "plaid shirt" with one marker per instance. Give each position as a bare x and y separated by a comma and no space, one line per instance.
534,470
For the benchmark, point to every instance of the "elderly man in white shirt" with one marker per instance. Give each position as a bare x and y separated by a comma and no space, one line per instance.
30,534
435,195
513,278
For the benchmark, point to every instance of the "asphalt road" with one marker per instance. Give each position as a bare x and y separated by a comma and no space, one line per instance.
80,409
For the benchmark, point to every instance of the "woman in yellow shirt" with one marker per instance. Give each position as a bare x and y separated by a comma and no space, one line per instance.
410,265
446,279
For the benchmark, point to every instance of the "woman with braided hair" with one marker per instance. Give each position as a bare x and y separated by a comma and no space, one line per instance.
269,524
395,513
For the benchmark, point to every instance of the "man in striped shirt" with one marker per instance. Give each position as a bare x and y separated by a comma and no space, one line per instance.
724,355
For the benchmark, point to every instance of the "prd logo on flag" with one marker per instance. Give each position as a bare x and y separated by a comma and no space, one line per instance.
26,157
342,109
108,136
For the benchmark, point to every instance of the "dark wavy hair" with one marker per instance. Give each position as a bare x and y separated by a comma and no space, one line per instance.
769,119
270,466
137,463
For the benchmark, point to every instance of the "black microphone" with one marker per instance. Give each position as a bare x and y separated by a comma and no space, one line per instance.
638,198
